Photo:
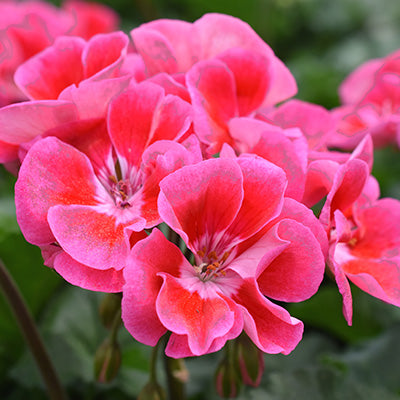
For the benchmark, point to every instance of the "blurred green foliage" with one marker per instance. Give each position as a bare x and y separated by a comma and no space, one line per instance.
321,41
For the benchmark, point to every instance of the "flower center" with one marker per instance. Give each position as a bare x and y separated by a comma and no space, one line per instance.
212,265
121,191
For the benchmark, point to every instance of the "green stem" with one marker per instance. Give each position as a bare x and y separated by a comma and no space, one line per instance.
115,326
31,334
153,363
173,236
176,378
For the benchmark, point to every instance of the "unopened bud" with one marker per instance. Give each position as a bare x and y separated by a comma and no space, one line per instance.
152,391
110,306
227,380
251,361
107,361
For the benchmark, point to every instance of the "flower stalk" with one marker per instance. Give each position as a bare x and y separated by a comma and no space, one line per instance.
31,335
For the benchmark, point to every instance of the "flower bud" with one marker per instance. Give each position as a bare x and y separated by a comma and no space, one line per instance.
109,307
152,391
227,380
107,361
251,361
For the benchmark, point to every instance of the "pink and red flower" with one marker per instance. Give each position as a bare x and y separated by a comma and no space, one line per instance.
245,241
371,98
86,202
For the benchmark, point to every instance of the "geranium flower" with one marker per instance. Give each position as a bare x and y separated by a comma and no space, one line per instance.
233,218
227,68
364,236
77,203
28,27
69,61
371,104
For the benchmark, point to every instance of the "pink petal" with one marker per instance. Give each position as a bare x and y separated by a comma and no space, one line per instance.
184,312
319,181
380,229
143,285
231,32
271,143
23,122
91,18
213,92
77,274
282,83
172,119
155,49
357,84
296,273
89,136
314,121
178,345
174,50
269,326
344,289
52,173
92,98
263,185
302,214
130,119
103,54
379,278
201,200
252,77
45,75
90,237
159,160
170,85
348,184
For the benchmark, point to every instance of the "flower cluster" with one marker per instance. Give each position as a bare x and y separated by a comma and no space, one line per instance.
165,166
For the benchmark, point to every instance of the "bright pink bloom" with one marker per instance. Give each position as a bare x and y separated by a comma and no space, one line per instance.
28,27
69,61
363,232
83,204
371,97
232,215
174,46
229,70
365,250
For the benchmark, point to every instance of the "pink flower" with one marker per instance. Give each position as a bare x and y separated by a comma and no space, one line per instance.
175,46
28,27
363,234
365,250
69,61
83,205
371,97
227,69
245,241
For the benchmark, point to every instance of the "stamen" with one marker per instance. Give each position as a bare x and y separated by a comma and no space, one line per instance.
201,253
352,242
225,256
